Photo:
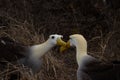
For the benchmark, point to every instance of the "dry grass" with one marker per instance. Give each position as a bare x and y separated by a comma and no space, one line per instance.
97,45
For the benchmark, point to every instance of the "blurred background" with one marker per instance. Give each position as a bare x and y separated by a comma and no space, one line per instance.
30,22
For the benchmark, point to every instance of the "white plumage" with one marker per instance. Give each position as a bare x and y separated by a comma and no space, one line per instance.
33,59
90,68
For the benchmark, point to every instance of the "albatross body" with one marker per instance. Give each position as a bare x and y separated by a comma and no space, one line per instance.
90,68
32,57
33,60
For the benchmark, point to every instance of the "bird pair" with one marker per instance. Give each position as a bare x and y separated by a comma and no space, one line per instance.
31,56
89,68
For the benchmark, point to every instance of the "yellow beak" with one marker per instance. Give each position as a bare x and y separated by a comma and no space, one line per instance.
61,42
63,48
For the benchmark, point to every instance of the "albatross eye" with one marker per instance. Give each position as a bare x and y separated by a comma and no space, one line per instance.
52,37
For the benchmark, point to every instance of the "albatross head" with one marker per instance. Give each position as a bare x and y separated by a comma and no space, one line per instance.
56,39
76,40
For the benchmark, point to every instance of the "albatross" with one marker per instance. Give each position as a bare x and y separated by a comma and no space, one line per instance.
90,68
32,57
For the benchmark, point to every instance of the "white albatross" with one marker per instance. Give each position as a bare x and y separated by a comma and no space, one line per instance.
90,68
33,59
12,51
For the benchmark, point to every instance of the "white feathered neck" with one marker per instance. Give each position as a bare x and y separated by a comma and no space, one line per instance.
81,47
39,50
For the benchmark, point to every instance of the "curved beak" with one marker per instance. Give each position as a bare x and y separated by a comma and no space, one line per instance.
63,48
60,42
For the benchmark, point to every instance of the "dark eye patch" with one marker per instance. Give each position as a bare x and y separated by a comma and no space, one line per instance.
52,37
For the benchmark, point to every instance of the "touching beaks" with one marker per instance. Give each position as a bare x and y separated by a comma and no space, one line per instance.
60,42
63,48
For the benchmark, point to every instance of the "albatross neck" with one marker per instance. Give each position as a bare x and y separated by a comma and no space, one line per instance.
40,50
81,52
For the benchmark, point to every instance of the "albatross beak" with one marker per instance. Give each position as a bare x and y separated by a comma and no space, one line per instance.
61,42
63,48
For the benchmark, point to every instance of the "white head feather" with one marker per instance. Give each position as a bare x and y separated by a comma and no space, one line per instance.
80,43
